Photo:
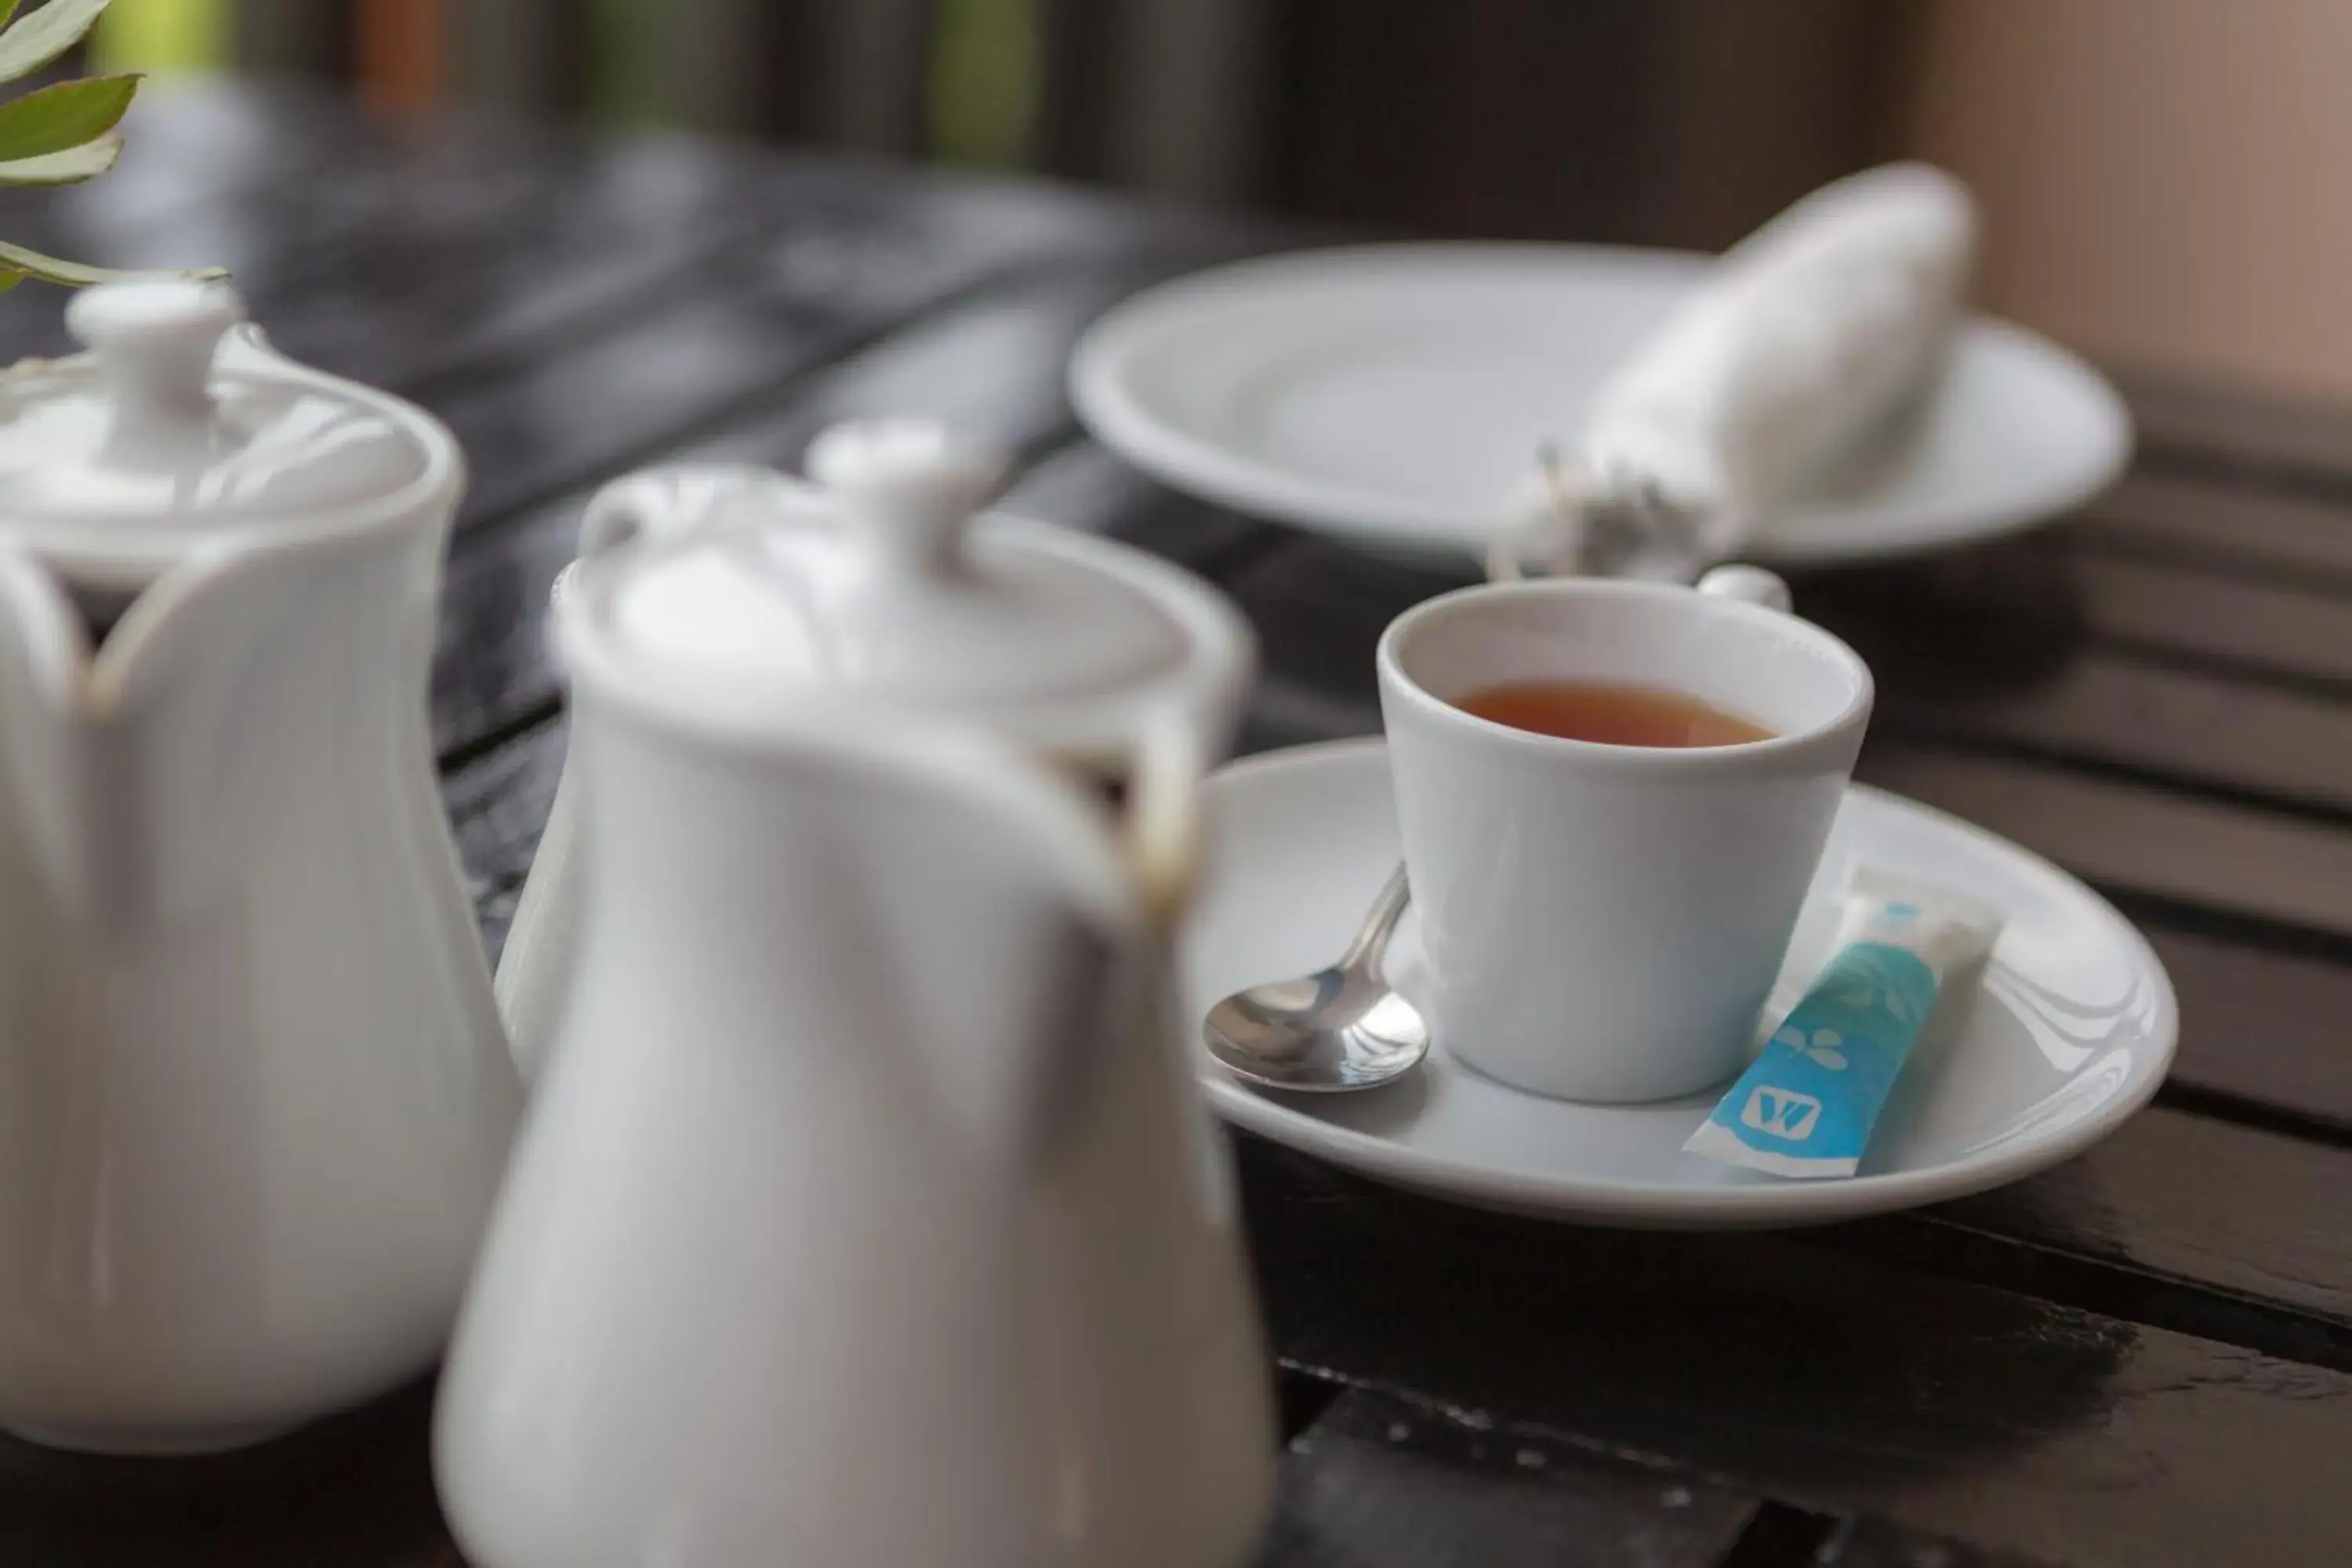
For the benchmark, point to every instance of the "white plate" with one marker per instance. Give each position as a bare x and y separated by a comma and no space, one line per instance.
2071,1032
1395,396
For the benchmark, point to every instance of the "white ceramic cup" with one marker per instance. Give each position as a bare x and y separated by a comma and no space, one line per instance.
1603,922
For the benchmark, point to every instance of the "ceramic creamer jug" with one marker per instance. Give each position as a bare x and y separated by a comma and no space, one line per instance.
254,1096
869,1214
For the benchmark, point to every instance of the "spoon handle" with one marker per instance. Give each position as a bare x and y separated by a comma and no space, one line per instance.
1372,938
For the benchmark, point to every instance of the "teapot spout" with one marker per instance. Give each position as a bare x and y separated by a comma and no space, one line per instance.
1052,918
1013,913
929,902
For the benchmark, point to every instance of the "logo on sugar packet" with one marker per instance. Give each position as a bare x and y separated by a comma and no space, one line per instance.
1781,1113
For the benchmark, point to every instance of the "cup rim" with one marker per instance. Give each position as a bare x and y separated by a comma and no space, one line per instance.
1773,750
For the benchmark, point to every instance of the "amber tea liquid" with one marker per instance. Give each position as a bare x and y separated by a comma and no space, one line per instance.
1610,715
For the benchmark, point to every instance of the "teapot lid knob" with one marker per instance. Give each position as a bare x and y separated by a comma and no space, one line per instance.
154,340
180,429
908,485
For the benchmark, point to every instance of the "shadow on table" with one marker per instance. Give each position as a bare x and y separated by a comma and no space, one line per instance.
354,1490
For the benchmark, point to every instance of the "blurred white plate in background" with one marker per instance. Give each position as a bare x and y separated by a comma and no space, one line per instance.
1394,396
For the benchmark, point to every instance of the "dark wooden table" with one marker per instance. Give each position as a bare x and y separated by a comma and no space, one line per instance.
2142,1359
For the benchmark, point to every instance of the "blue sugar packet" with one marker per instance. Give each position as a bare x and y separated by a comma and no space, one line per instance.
1806,1106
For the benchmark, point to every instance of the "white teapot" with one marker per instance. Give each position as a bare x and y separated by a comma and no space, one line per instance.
867,1214
254,1095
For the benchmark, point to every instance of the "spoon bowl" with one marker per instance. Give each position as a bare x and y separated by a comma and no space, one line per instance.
1336,1030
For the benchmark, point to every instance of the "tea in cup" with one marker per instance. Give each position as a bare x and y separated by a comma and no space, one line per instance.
1613,796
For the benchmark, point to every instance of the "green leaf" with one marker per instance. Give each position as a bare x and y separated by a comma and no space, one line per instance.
78,275
66,115
8,10
44,35
69,167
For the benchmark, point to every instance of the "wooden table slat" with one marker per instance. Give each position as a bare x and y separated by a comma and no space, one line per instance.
2266,1026
2252,437
2221,855
494,668
2225,1232
1380,1482
1872,1544
1084,486
2206,520
2260,628
2215,733
1822,1375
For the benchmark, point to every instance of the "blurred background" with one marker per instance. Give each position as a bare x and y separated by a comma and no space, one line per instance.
2127,151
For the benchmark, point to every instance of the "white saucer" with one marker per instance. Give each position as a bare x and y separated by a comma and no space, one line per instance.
2072,1031
1395,396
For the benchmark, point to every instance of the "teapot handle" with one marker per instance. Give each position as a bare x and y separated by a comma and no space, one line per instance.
1167,763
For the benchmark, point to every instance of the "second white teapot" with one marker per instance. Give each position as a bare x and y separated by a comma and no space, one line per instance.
865,1203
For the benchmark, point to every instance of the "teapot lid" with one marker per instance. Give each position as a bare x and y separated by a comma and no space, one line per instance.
877,580
164,436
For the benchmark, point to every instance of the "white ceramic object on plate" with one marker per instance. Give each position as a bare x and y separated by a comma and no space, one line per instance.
864,1147
2072,1031
258,1101
1397,395
1602,922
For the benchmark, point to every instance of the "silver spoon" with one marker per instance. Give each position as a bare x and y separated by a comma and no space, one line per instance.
1337,1028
